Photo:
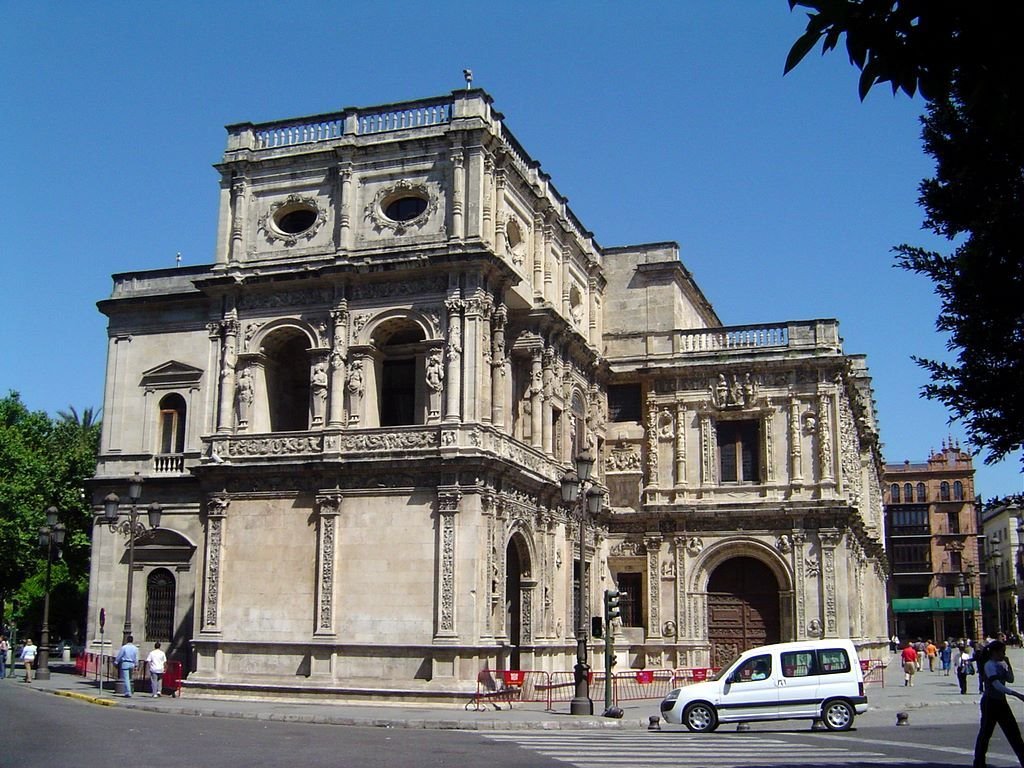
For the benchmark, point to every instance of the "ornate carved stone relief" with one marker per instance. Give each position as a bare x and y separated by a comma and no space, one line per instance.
267,223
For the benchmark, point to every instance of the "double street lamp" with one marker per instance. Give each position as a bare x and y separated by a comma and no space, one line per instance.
132,529
590,501
51,536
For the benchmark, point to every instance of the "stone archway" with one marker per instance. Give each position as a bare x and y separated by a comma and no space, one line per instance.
743,608
517,570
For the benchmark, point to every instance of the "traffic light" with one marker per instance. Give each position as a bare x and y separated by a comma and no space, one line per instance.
611,605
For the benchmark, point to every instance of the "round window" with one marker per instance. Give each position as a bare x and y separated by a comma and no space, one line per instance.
405,208
295,219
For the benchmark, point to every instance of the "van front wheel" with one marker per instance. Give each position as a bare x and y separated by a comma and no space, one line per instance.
700,717
837,715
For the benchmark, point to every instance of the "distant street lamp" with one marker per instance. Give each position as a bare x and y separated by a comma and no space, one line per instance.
581,703
962,584
132,529
996,558
51,536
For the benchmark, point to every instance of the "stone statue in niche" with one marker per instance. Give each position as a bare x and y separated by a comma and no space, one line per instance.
246,395
784,544
694,545
814,628
318,385
355,379
722,390
435,371
669,629
810,422
665,425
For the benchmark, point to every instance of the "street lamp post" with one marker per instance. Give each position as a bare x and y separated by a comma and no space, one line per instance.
581,703
962,584
132,529
996,558
50,535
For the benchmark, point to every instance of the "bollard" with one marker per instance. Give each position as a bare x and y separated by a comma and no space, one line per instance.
902,718
654,723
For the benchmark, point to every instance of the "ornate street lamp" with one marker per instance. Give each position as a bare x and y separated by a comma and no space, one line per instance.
132,529
996,558
961,581
581,703
51,536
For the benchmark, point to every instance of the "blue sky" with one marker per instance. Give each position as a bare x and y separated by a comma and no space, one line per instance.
659,121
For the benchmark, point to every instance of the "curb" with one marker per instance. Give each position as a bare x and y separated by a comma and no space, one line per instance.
86,697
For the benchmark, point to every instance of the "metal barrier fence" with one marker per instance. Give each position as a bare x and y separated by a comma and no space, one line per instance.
874,671
495,688
101,667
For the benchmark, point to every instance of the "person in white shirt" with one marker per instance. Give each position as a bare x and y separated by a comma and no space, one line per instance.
157,662
28,658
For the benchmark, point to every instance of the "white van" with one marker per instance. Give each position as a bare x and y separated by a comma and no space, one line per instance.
810,680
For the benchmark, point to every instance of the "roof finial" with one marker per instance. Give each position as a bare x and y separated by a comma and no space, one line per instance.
177,259
468,74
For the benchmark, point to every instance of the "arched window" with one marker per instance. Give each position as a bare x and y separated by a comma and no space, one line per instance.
287,370
579,420
922,494
958,491
944,491
908,492
172,424
402,369
160,605
894,492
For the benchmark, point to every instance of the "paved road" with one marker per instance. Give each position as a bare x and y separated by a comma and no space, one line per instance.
41,730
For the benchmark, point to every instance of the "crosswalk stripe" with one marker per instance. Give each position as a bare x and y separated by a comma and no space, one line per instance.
597,750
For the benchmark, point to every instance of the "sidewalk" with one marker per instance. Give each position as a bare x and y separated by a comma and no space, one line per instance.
931,690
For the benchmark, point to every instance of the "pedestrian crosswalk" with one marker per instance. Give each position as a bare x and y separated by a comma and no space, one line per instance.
604,749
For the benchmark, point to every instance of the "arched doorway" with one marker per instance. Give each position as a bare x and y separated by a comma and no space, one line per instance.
517,567
287,377
743,608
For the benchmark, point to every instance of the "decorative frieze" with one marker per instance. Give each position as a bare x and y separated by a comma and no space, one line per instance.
273,446
297,297
216,510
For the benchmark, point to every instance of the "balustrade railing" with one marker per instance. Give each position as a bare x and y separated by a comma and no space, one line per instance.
717,339
304,132
169,463
400,119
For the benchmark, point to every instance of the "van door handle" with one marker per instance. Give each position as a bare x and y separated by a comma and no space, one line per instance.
780,683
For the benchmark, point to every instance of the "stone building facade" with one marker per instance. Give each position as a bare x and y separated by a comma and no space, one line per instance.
933,529
356,420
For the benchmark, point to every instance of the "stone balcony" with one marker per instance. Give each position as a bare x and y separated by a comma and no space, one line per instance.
792,337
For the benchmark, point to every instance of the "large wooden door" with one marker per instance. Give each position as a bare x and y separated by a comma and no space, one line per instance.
743,608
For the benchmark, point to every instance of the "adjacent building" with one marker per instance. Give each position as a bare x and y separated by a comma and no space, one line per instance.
1003,528
933,530
357,418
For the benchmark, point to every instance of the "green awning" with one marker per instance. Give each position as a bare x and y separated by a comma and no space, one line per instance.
935,604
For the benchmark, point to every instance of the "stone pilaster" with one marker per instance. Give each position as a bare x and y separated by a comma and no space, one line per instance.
829,538
213,550
236,248
538,256
447,508
796,473
825,452
345,206
499,367
548,379
453,353
458,194
227,372
329,508
680,443
536,399
653,545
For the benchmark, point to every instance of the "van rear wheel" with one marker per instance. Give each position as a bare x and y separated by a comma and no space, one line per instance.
700,717
837,715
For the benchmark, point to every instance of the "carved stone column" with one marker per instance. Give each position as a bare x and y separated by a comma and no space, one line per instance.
708,476
213,548
339,354
500,243
548,379
453,391
329,508
538,255
345,205
769,444
680,446
799,539
679,593
236,249
536,400
486,212
448,500
825,439
476,307
829,538
499,367
653,545
549,236
652,444
227,372
796,472
458,194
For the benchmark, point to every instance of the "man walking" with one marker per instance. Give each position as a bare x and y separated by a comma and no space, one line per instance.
126,660
994,707
909,658
156,661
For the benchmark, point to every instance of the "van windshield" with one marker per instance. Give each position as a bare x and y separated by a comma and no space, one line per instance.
725,668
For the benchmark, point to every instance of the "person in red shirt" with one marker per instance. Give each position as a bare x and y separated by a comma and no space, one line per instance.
909,657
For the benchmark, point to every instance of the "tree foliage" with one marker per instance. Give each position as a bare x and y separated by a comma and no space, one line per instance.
962,58
44,462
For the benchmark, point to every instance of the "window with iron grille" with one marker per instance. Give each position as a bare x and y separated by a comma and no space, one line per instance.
160,605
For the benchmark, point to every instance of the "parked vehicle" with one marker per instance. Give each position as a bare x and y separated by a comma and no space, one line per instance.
809,680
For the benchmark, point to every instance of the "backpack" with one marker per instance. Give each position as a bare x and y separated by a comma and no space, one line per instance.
981,656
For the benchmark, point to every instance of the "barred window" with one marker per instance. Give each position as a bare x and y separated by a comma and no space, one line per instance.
160,605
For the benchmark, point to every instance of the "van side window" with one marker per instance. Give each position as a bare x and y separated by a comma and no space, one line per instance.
798,664
754,668
833,661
